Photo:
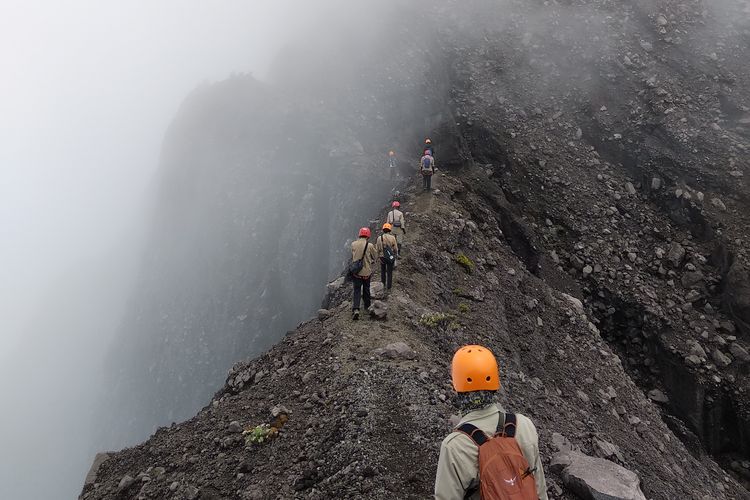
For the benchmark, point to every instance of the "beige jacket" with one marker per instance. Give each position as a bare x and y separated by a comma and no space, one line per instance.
358,247
384,240
396,218
458,464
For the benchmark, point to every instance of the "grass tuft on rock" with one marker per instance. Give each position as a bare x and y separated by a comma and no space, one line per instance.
465,262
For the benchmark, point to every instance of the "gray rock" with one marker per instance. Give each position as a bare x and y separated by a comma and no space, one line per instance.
587,270
629,188
739,353
174,486
378,309
397,350
575,302
605,449
259,376
596,478
719,204
336,284
693,360
691,279
661,20
99,459
676,255
307,376
191,492
697,350
125,483
721,359
647,46
377,290
235,427
655,183
657,396
324,314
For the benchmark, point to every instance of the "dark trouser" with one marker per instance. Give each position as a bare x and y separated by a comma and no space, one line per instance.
386,274
426,182
361,291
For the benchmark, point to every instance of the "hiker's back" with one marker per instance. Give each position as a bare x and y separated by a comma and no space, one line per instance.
491,471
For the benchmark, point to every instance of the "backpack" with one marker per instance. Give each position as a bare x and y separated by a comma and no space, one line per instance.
504,473
427,165
356,266
388,256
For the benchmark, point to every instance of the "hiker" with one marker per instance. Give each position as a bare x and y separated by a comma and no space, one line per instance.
427,168
396,220
392,164
504,445
363,258
387,248
428,146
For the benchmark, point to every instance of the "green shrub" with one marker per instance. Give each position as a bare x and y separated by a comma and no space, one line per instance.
464,308
436,320
465,262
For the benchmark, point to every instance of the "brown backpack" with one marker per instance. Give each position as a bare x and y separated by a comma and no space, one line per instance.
504,473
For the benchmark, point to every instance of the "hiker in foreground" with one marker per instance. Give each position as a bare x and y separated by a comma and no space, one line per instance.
396,219
427,168
387,248
360,270
504,446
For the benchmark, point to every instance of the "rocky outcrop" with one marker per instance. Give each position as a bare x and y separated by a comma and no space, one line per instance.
596,479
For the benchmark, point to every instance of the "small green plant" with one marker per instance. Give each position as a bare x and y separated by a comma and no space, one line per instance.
436,320
464,308
465,262
259,434
458,291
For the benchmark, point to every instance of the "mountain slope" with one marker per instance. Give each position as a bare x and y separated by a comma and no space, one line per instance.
364,425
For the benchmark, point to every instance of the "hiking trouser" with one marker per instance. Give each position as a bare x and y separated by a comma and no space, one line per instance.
386,274
398,232
427,182
361,292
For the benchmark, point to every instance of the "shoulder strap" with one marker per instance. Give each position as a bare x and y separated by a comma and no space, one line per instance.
476,434
364,252
506,427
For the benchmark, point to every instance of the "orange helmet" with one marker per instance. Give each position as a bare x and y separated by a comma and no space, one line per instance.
428,141
391,153
387,227
474,368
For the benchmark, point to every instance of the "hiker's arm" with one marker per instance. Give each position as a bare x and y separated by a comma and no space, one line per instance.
453,477
531,452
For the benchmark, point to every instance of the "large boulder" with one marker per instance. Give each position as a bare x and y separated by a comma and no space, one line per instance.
378,309
595,478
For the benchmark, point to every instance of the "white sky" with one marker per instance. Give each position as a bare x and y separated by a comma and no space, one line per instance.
87,90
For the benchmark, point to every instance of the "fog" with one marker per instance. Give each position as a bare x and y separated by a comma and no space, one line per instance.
87,92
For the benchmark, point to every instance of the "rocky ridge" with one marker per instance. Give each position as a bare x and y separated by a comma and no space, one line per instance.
366,414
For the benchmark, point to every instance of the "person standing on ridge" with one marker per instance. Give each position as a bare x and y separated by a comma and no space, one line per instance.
396,220
428,146
504,446
387,248
363,258
392,164
427,168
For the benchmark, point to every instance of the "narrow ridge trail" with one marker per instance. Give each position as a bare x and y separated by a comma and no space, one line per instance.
367,418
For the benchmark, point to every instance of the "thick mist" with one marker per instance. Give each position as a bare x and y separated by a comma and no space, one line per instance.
88,90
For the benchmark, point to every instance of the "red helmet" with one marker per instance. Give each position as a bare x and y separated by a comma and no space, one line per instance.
395,204
365,232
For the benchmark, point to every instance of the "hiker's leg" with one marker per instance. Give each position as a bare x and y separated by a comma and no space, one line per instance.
357,293
390,276
366,293
383,271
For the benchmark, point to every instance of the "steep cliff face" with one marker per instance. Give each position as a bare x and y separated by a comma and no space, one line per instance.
597,148
259,189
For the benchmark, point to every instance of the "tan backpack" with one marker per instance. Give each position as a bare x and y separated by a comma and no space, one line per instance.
504,473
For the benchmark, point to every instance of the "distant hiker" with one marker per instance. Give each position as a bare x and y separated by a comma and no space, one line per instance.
392,164
387,247
427,168
363,258
396,220
504,446
428,146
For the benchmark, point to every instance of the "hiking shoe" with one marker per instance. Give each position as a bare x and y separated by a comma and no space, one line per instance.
355,315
